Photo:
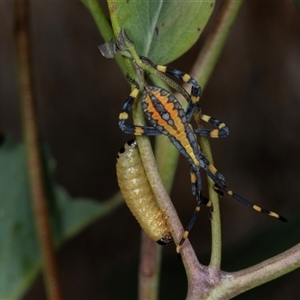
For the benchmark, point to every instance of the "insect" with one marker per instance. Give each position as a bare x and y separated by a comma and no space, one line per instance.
167,117
138,195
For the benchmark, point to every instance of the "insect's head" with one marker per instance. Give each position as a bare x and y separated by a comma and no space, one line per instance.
165,240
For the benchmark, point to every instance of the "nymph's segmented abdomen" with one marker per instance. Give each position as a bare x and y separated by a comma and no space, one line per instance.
138,195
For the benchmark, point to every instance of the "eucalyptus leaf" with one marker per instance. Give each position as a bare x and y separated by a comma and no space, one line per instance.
20,257
161,30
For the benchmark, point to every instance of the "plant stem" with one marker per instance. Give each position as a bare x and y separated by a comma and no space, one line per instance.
100,19
236,283
149,269
31,138
103,26
150,256
166,158
214,44
188,255
150,253
216,233
202,70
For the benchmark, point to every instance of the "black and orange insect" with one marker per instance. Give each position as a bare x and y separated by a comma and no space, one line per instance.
138,194
167,117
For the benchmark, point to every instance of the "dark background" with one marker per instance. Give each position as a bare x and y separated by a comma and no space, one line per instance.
255,89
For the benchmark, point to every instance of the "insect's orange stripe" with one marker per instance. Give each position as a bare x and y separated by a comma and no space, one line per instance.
179,133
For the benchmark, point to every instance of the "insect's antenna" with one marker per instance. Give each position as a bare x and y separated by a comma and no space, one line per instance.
220,186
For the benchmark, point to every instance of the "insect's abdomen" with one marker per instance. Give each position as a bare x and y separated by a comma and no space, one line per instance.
138,195
166,114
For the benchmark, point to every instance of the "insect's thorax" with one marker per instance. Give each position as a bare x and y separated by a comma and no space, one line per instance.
166,114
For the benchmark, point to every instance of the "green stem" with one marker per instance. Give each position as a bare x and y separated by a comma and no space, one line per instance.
236,283
34,159
100,19
166,158
150,254
216,250
103,26
188,255
212,49
202,70
149,269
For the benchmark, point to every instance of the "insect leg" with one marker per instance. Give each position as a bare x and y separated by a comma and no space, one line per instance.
124,115
221,187
201,200
193,98
221,131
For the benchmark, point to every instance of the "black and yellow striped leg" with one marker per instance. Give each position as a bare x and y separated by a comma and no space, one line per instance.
221,131
130,128
195,90
248,203
193,102
210,169
201,200
191,223
196,181
221,187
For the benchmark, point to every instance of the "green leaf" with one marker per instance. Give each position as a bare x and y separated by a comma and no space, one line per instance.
297,3
20,257
161,30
